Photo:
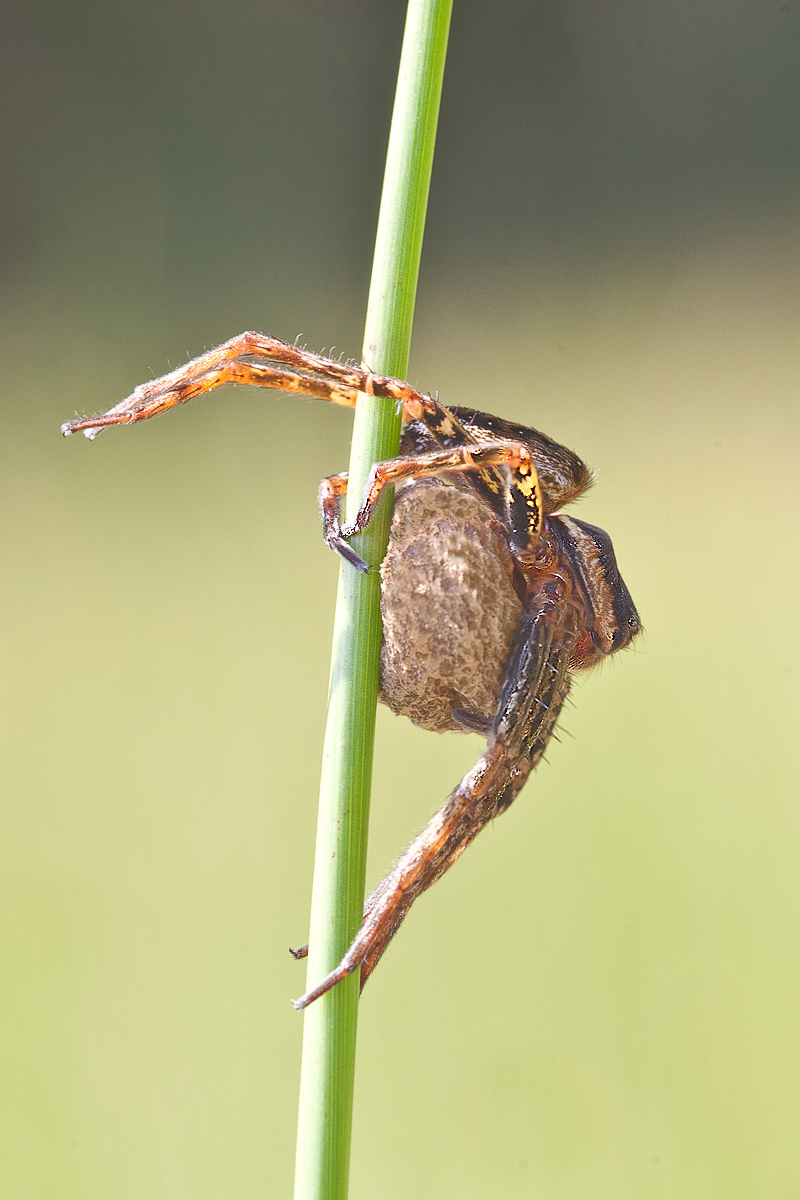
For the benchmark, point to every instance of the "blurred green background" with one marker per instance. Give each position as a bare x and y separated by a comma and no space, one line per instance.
601,1000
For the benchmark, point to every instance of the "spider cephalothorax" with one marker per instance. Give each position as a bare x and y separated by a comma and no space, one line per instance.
491,596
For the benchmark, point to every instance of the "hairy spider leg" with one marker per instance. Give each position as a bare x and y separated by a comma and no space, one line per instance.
537,685
474,457
139,406
312,375
518,501
330,490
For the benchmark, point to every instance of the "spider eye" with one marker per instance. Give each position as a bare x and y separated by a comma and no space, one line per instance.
633,622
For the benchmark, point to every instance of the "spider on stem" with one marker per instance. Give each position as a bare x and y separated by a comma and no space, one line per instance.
491,596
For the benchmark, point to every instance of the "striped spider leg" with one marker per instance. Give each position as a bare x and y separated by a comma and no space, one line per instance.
338,382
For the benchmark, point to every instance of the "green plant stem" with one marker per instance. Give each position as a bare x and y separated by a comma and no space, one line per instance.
329,1036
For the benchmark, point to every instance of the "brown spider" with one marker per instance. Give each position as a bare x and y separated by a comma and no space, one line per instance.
490,596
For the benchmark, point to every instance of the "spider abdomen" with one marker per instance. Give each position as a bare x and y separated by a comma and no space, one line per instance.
450,608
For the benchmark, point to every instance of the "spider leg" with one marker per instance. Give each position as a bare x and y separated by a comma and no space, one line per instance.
444,838
290,369
330,490
308,374
537,682
513,455
437,462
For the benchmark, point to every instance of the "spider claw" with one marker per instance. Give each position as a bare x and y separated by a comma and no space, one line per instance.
348,554
324,986
78,426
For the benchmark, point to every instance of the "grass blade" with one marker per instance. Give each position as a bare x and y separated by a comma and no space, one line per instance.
329,1038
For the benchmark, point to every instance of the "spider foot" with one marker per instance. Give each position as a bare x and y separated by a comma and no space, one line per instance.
338,543
88,426
342,971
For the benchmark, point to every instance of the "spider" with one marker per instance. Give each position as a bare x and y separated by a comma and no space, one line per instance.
491,596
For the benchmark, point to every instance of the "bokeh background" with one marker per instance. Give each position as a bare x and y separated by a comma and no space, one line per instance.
601,1000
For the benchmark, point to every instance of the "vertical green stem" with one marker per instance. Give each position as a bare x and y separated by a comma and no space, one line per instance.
329,1038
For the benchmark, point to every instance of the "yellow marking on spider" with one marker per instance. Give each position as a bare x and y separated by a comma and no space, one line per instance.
444,423
490,480
527,486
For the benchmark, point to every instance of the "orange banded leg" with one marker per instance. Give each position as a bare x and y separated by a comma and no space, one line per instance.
473,457
309,375
460,819
481,795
